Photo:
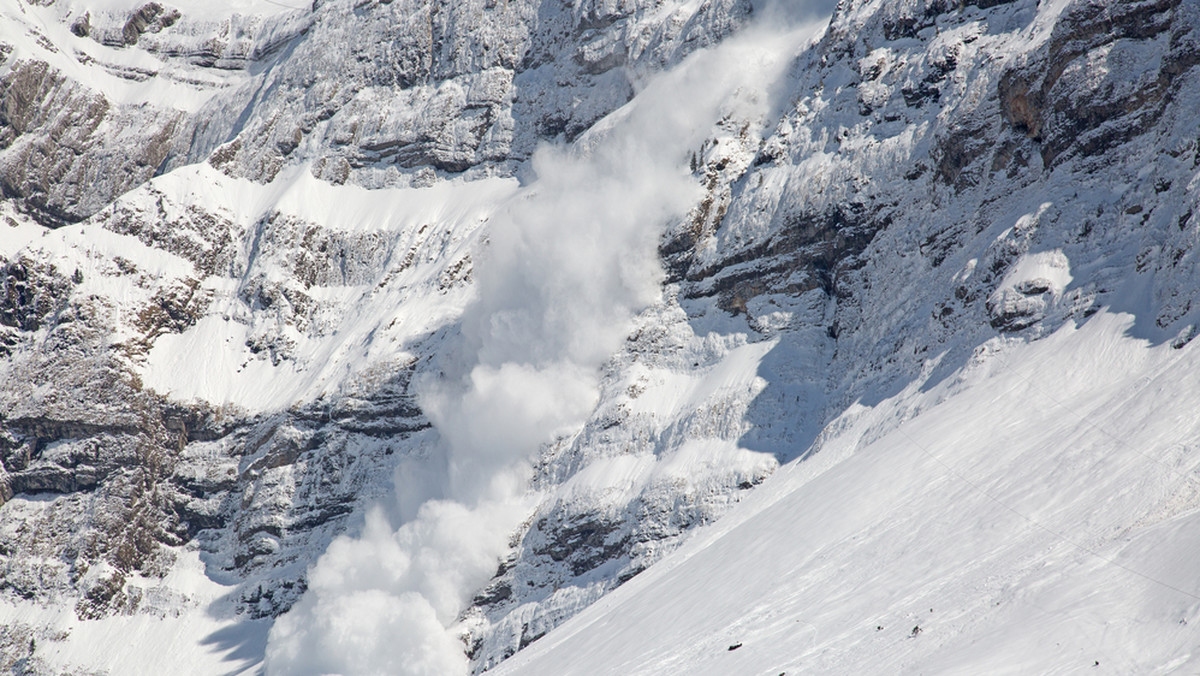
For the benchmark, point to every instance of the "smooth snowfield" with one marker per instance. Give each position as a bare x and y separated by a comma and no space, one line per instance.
1035,513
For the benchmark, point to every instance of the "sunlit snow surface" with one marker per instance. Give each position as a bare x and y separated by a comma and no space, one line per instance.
42,32
1036,512
187,626
212,362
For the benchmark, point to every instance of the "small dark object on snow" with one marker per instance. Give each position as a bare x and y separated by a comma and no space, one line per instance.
916,630
735,646
1097,663
879,627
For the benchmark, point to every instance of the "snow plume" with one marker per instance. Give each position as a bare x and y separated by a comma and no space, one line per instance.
567,265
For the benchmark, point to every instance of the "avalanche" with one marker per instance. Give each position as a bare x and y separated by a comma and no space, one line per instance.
543,337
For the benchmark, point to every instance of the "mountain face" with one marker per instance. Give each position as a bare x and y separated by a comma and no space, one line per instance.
387,336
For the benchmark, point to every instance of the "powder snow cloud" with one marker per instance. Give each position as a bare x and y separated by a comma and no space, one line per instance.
567,265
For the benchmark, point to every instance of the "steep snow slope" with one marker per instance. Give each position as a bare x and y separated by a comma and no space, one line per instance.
903,210
1035,512
185,624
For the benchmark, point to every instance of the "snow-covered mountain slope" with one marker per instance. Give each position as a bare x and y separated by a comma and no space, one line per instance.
334,371
100,97
1036,512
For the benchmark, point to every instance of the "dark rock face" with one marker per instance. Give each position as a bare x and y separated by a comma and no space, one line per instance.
32,293
299,477
810,251
150,17
82,25
47,124
262,496
1044,100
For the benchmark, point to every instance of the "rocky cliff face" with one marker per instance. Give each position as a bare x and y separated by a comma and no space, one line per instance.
379,93
231,240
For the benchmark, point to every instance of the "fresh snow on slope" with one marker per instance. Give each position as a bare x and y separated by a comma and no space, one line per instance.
187,625
1034,513
212,361
42,33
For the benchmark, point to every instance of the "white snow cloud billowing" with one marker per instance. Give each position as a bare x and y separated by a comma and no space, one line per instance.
568,263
